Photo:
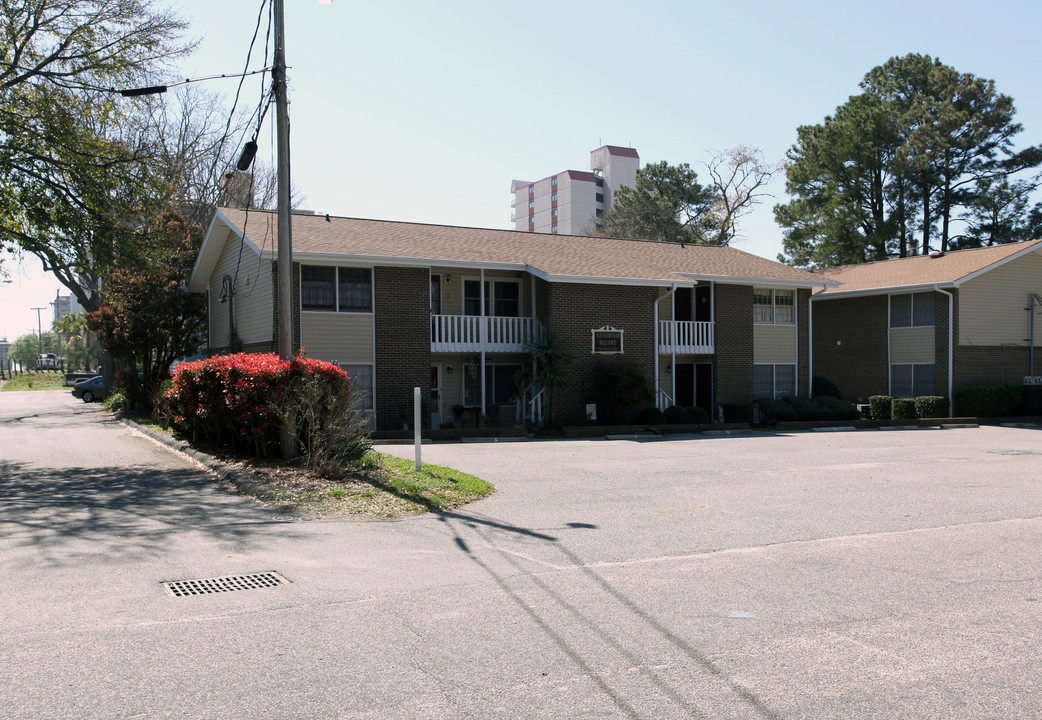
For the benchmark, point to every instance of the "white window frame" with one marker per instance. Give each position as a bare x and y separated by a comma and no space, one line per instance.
774,308
490,295
336,289
776,394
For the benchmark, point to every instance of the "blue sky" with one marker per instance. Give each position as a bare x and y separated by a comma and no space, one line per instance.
424,112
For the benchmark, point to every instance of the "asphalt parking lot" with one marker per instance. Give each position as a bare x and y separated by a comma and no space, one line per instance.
865,574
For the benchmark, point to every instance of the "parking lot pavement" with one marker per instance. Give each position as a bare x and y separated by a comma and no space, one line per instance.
839,575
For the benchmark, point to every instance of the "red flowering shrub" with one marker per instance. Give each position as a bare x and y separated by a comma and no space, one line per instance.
240,400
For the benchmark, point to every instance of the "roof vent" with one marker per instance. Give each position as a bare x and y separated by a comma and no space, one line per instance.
938,254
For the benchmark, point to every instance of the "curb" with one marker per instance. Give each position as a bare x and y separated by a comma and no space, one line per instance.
208,462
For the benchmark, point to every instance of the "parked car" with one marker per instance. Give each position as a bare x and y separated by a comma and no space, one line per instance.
91,390
72,378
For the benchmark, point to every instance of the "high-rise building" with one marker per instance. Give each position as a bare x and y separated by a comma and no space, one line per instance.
572,202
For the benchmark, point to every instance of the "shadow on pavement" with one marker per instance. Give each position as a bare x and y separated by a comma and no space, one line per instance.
116,511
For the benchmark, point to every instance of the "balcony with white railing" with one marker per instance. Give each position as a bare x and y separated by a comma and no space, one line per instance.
688,337
472,333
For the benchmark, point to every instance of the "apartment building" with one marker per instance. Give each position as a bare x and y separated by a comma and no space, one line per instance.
572,202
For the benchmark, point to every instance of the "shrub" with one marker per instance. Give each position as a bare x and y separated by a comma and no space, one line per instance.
840,409
879,407
241,400
676,415
823,387
697,415
649,416
736,412
620,389
772,411
1032,400
902,409
990,400
117,403
931,406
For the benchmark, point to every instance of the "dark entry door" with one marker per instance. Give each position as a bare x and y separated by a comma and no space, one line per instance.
684,377
704,387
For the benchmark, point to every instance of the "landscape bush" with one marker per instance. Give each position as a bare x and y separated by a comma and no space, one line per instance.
697,415
675,415
620,389
988,400
902,409
823,387
793,408
736,412
649,416
931,406
240,401
879,407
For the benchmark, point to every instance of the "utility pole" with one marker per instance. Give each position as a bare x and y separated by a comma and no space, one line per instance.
285,241
39,331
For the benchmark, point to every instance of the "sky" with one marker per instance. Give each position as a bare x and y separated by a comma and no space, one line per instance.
424,112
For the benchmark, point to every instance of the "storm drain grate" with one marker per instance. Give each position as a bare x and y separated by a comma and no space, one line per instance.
184,588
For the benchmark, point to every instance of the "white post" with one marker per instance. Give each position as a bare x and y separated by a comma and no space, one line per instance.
416,423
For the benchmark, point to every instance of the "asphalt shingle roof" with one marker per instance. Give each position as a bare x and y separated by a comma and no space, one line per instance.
557,256
946,269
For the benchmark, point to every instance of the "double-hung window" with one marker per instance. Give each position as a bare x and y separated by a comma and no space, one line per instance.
777,307
912,310
336,288
911,380
774,381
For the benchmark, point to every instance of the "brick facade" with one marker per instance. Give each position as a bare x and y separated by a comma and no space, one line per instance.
401,303
733,373
851,341
574,310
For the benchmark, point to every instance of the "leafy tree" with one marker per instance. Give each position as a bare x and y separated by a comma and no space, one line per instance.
77,342
921,147
666,204
26,349
146,319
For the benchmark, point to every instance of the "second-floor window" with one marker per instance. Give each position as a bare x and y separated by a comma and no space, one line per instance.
502,298
776,307
336,288
911,310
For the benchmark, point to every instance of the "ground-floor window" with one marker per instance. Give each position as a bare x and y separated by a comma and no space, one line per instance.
361,384
500,385
912,380
774,381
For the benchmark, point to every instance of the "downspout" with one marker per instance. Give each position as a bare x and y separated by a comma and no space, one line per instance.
810,338
951,344
669,294
1032,300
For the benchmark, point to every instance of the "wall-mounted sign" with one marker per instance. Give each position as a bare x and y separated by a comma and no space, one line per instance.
607,341
1033,379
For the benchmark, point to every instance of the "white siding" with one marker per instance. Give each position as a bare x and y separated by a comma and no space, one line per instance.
338,337
912,345
992,306
774,344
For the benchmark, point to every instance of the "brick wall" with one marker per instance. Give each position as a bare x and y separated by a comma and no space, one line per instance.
574,310
401,299
734,343
851,345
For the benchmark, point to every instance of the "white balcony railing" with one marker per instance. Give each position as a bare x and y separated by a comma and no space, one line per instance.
679,336
471,333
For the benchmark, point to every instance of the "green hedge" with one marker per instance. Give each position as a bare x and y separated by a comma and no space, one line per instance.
736,412
879,407
800,408
675,415
902,409
697,415
931,406
823,387
989,400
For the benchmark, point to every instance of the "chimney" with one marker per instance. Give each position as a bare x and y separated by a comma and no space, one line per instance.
236,190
